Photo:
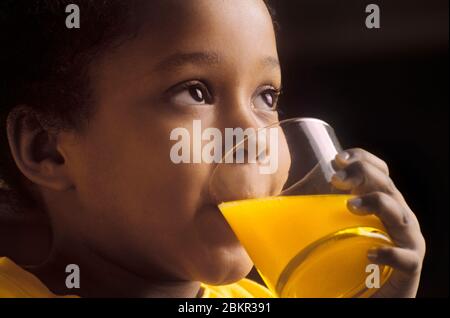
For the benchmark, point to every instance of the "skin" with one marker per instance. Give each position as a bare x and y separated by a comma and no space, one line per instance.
135,223
367,176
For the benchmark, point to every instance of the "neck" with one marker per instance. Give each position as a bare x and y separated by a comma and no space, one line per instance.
101,277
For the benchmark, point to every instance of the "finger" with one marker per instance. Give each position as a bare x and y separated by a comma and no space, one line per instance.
398,220
357,154
404,260
382,205
363,177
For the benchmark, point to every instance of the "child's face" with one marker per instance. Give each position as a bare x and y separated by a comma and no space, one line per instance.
135,205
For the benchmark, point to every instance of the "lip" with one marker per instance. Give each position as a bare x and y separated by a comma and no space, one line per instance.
214,227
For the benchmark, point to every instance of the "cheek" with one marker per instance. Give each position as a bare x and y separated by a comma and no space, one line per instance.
135,174
128,184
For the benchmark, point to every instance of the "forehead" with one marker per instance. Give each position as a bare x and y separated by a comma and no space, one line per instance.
230,27
206,15
235,35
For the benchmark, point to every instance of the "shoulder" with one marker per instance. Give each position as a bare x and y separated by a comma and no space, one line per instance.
245,288
16,282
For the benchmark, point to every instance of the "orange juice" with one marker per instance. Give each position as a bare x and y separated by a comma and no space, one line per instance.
308,246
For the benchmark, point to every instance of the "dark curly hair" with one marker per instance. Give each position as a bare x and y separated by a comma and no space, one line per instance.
44,65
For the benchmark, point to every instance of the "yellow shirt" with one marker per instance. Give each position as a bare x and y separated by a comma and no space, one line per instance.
16,282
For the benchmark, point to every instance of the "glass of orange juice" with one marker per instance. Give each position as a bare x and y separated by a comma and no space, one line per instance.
274,190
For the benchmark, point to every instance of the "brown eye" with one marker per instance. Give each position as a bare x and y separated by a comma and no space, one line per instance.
197,94
267,100
192,94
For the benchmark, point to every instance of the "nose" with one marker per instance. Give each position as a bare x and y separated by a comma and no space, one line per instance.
238,176
237,117
237,112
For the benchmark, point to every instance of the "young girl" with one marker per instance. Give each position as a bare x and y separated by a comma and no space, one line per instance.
86,118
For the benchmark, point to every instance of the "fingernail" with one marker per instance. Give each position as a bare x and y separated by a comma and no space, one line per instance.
372,254
344,155
341,175
356,206
355,203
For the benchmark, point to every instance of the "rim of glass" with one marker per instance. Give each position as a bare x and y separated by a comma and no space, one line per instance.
279,123
297,119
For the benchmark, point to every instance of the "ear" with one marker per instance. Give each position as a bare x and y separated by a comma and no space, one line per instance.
36,151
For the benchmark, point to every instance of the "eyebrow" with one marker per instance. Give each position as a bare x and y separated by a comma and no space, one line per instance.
271,61
203,58
179,59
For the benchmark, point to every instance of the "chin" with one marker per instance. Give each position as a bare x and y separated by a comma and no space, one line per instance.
224,267
221,259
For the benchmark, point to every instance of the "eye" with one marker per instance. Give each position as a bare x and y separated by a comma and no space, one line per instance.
267,99
191,94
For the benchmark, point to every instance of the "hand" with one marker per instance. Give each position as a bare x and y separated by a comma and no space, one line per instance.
367,176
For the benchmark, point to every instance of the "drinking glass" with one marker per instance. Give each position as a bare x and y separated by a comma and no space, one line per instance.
274,190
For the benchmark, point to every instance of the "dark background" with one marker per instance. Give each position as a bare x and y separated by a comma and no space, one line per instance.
383,90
